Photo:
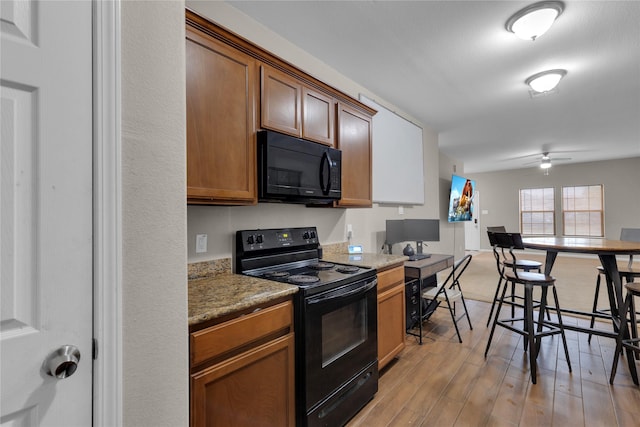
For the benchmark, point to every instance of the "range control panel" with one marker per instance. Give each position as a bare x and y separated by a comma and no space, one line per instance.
276,238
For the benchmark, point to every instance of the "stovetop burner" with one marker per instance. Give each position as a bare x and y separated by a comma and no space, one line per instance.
322,265
347,269
276,274
301,279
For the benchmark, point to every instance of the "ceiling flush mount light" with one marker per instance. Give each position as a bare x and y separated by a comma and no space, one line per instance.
545,81
534,20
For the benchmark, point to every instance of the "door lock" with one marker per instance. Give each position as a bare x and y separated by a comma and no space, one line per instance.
63,362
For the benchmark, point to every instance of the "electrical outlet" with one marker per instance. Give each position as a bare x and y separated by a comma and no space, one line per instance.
400,210
201,243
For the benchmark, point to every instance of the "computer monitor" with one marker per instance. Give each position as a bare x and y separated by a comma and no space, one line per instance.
395,231
422,230
417,230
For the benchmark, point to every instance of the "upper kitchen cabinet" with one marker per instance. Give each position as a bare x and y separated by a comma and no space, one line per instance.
354,140
235,87
280,101
318,114
221,104
289,106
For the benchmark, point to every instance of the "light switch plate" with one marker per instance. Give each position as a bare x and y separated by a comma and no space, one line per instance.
201,243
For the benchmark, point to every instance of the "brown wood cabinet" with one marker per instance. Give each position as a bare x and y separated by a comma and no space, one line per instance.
233,88
318,113
391,314
290,107
280,101
354,140
242,370
221,104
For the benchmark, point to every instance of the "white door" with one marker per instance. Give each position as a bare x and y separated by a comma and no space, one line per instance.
472,228
46,216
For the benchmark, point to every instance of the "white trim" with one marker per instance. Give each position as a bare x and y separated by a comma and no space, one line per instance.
107,297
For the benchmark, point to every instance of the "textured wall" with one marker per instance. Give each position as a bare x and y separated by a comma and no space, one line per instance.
154,300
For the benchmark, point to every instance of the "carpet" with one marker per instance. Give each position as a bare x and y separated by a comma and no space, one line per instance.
575,279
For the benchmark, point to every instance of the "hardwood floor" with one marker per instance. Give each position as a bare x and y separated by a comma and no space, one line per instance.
445,383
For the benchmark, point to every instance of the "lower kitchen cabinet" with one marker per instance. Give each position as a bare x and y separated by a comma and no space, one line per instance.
391,314
242,370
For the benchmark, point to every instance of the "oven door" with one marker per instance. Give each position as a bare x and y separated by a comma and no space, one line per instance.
341,337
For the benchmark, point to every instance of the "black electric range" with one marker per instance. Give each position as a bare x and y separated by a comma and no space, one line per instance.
335,321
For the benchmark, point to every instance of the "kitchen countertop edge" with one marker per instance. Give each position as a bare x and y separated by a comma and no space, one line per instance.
226,293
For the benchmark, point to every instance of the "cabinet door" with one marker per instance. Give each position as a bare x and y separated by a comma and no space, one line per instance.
256,386
391,314
317,117
281,102
221,153
354,139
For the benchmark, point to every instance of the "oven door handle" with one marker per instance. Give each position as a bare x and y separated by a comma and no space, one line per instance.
332,296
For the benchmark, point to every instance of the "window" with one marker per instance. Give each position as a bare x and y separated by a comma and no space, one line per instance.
583,211
537,214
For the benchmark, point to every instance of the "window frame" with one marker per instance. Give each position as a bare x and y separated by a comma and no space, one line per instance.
565,211
546,213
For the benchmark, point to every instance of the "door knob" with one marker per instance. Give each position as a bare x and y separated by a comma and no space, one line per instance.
63,362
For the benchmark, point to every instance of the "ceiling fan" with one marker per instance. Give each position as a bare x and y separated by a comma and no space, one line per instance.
545,160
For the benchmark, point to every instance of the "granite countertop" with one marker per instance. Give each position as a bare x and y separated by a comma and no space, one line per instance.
370,260
222,294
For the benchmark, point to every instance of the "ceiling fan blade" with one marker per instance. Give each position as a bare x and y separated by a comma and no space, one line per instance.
526,156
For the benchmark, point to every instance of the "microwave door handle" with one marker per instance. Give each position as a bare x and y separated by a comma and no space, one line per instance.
325,158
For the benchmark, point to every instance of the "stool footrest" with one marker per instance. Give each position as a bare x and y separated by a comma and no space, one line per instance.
508,324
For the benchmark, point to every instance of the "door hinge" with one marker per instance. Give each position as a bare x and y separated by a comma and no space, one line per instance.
94,350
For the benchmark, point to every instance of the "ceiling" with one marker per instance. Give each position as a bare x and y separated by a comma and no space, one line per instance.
453,66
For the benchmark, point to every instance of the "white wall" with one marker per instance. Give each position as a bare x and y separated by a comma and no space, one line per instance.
500,192
154,277
220,223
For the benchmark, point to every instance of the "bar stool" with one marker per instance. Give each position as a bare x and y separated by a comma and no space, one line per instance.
532,330
627,272
502,263
632,345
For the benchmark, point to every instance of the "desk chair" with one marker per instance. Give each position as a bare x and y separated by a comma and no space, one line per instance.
632,345
531,330
502,262
449,292
627,273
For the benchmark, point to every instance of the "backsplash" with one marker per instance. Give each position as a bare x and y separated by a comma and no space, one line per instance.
335,248
200,270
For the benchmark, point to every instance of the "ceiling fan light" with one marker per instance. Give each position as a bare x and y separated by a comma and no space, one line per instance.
545,163
534,20
546,80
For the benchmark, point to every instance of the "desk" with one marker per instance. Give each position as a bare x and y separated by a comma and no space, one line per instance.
606,251
415,274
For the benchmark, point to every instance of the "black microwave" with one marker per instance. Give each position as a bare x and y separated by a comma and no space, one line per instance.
293,170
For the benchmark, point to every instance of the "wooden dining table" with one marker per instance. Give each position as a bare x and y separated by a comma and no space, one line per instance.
606,250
